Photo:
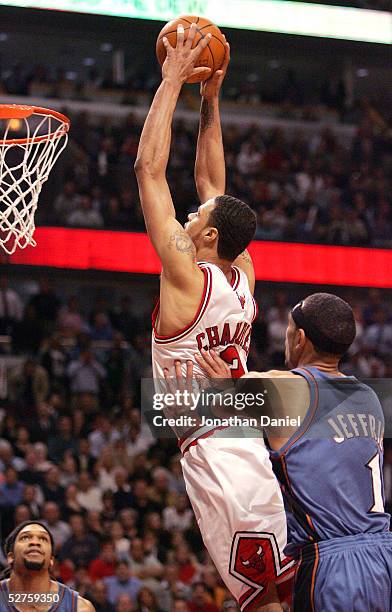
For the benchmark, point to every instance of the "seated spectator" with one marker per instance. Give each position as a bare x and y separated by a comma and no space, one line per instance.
201,599
125,604
95,525
172,587
105,564
7,457
179,516
98,597
122,583
108,513
89,496
85,374
143,563
31,474
123,497
11,490
103,433
70,320
22,513
29,385
84,214
51,487
81,548
32,498
122,544
71,505
43,425
69,469
62,441
60,530
11,307
147,601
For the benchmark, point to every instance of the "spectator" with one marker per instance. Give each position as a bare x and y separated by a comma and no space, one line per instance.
71,504
201,599
99,598
103,433
179,516
11,490
147,601
63,440
122,583
89,496
70,319
29,384
123,497
46,303
105,565
80,548
7,457
60,530
51,488
11,307
84,215
85,374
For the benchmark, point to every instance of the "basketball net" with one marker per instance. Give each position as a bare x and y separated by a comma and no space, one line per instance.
31,140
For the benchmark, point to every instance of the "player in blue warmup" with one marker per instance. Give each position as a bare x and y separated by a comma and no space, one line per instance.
330,469
27,584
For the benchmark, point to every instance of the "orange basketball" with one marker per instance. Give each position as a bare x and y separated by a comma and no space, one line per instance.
212,56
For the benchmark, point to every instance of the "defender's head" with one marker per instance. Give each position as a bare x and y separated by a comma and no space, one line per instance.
30,546
223,225
321,327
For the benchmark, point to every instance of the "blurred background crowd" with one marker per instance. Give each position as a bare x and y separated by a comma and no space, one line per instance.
75,453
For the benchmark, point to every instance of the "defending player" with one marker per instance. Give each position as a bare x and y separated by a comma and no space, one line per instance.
29,551
331,467
205,302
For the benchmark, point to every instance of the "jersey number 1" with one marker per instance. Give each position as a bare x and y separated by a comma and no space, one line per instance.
374,466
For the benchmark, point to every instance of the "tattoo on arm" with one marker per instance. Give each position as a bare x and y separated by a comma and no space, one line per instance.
206,115
181,241
246,257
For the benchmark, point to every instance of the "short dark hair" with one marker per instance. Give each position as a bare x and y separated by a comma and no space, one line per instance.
333,321
236,224
11,538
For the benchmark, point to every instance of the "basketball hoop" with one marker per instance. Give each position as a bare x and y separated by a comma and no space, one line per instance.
31,140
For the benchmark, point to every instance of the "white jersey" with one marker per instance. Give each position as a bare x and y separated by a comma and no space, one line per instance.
227,471
223,322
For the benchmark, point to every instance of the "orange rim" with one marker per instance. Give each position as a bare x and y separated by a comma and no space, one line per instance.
18,111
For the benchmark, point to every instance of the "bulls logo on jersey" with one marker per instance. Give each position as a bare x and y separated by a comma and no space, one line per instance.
242,300
255,560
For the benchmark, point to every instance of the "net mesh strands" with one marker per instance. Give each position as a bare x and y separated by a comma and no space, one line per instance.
31,140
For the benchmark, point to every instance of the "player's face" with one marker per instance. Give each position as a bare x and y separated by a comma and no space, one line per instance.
198,220
32,549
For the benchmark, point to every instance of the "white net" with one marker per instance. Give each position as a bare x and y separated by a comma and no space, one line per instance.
29,148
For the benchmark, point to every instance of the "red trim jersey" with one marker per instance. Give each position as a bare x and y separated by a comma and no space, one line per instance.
223,322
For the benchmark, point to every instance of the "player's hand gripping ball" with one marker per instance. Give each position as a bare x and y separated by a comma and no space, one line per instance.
211,57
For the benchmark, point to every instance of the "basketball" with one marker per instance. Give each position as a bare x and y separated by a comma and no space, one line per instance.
212,56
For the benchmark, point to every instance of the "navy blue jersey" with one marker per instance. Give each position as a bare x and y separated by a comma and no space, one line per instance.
331,468
67,599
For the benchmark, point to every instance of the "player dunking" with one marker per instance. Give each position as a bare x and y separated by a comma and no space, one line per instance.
206,302
29,587
331,467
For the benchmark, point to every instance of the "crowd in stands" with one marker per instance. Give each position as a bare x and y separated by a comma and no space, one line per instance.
75,453
307,188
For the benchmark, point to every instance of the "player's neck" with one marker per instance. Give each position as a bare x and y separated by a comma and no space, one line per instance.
211,257
30,582
330,366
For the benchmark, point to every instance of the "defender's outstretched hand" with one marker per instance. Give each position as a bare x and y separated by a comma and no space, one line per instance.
180,61
211,88
213,365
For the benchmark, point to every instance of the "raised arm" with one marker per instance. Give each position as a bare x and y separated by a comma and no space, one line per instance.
164,230
210,170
